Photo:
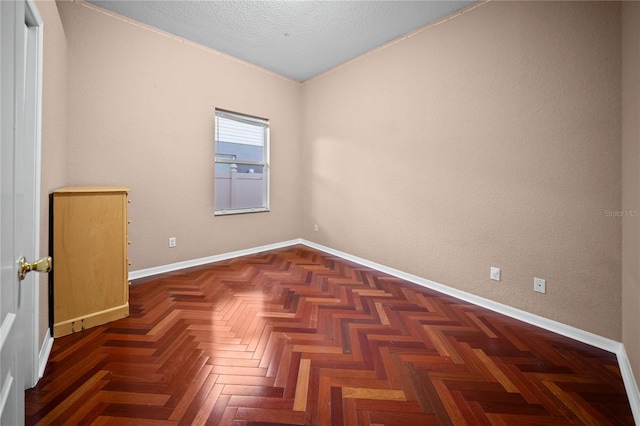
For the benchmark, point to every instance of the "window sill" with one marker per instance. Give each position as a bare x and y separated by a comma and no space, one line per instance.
239,211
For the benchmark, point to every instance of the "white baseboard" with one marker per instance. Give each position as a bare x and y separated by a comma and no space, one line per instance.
630,383
141,273
547,324
536,320
43,356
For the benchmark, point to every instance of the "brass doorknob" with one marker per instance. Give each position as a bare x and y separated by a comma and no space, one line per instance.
42,265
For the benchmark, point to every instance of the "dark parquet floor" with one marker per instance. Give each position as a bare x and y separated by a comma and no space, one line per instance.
296,336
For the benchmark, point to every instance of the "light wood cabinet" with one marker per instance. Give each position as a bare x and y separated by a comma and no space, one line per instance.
90,284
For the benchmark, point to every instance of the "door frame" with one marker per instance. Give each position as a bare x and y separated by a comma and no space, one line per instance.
34,22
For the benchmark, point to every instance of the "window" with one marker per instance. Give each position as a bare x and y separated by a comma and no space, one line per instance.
241,163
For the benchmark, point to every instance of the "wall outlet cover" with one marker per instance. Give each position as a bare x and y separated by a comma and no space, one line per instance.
539,285
495,274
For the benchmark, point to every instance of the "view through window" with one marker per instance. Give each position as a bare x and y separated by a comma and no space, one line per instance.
241,163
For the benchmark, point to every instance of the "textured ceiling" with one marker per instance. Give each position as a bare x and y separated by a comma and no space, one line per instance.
297,39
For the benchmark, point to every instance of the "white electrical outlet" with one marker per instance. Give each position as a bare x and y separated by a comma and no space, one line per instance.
495,274
539,285
172,242
315,228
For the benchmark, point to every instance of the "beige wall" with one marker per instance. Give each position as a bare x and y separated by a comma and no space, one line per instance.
54,131
492,139
141,114
631,183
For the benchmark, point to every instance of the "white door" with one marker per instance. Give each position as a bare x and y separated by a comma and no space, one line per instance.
20,100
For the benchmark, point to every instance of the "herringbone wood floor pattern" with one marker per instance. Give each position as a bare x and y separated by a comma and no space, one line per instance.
295,336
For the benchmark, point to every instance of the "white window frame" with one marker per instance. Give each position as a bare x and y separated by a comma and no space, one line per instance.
265,164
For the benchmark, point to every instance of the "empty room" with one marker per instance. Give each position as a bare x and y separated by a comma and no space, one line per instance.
320,212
